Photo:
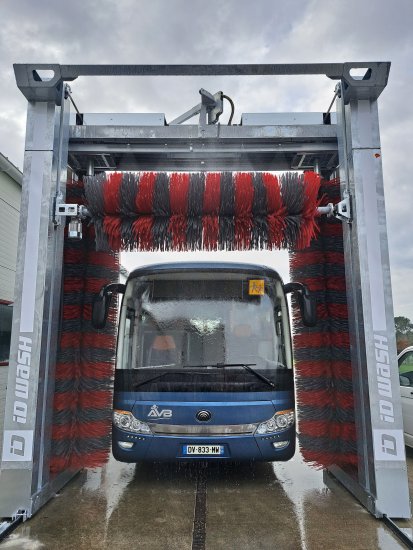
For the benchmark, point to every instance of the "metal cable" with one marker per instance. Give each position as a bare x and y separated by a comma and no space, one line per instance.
232,108
329,108
69,94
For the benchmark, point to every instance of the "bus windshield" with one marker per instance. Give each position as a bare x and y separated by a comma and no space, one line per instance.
203,332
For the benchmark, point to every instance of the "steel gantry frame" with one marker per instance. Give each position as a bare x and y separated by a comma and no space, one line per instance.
349,143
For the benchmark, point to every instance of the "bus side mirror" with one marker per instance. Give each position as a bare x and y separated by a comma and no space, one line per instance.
306,301
101,303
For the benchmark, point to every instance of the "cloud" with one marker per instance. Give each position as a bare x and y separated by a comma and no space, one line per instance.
234,31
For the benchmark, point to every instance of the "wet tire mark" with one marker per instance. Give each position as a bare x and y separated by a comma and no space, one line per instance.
199,531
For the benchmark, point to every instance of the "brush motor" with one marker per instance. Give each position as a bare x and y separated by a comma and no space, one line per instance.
74,231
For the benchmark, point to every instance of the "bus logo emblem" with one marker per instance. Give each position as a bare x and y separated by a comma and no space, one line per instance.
156,413
203,416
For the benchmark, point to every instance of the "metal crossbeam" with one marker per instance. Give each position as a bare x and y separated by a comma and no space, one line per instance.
44,81
191,147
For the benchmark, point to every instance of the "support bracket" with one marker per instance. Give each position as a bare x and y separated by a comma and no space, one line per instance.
67,209
209,110
76,212
340,210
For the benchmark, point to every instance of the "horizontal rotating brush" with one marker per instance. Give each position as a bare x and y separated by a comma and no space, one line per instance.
210,211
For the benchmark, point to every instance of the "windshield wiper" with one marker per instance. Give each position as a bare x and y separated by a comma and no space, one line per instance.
248,367
158,366
136,386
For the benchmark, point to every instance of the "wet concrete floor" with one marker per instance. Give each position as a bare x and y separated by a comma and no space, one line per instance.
195,506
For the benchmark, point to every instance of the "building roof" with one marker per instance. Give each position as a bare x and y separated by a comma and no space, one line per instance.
10,169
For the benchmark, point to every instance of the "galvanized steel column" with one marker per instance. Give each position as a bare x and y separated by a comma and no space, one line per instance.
382,485
29,403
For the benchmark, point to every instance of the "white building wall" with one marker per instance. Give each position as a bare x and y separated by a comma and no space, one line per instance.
10,192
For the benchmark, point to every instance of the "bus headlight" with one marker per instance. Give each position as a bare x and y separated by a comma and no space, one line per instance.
280,421
126,421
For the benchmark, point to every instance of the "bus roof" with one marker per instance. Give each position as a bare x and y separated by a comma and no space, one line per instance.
176,267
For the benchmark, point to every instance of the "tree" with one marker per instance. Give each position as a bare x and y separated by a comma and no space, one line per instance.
404,332
403,325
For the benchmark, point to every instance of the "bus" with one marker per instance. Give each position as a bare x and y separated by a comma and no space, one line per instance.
204,366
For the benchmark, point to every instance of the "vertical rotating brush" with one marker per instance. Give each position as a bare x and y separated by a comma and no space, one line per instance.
323,372
85,359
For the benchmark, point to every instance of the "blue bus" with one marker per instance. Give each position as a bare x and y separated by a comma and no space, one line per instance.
204,366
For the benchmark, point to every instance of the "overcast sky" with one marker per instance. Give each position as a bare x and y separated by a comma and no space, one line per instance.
224,31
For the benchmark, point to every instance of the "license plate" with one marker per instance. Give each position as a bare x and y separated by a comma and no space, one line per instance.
203,450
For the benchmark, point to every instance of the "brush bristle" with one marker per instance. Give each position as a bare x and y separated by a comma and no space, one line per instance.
179,190
211,205
225,211
214,211
85,360
325,402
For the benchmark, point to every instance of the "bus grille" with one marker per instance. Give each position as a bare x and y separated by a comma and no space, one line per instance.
178,429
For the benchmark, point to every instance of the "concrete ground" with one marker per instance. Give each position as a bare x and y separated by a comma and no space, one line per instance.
192,506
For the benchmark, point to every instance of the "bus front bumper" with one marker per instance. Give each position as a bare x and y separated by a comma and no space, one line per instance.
267,447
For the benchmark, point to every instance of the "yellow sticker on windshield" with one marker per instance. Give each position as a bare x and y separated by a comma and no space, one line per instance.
256,287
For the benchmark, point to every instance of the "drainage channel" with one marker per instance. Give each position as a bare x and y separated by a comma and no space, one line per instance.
400,534
199,530
7,527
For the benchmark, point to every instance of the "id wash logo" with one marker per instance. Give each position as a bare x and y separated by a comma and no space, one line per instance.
17,445
156,413
383,378
388,443
21,391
